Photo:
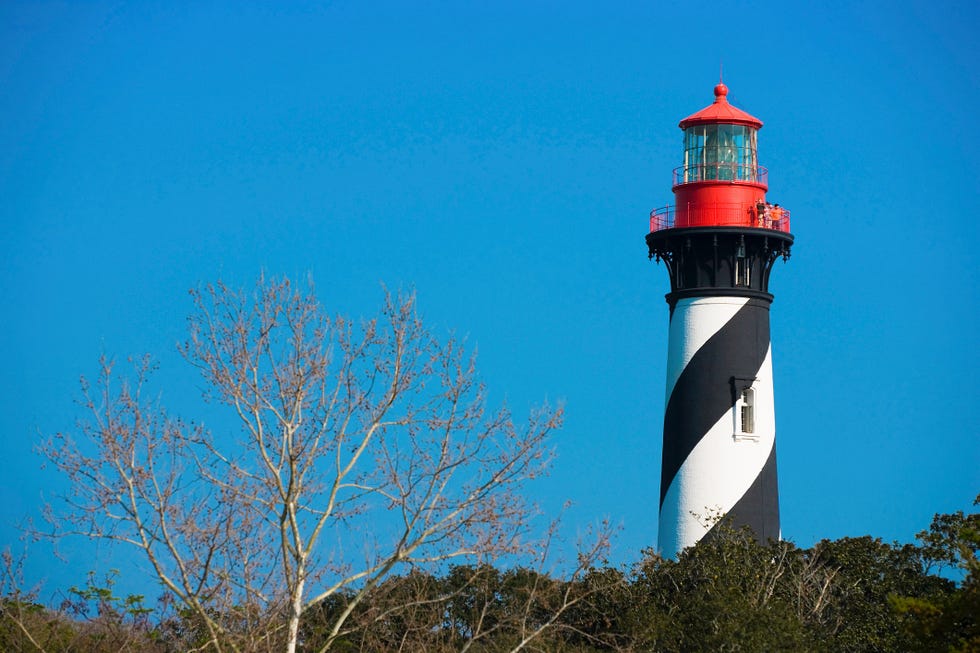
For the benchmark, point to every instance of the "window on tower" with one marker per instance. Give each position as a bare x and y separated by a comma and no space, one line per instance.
747,411
743,272
744,410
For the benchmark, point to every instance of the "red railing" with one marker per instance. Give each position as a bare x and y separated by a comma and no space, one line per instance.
721,172
721,215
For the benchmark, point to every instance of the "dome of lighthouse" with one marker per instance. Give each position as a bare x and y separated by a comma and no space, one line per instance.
720,111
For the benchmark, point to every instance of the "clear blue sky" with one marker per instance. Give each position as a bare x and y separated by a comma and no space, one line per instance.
501,158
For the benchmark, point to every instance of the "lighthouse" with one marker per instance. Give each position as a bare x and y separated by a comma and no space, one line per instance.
719,242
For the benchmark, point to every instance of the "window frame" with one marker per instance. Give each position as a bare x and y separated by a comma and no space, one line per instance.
745,409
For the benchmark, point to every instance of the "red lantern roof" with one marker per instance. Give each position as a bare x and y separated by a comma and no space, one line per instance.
721,112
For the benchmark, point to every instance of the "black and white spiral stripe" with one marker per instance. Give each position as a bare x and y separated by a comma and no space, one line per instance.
709,470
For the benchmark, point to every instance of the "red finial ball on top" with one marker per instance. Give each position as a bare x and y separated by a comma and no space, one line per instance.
720,92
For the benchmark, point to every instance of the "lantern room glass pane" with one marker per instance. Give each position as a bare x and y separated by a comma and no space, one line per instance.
719,150
693,153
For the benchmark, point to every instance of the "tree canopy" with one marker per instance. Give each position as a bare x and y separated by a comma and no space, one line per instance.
727,593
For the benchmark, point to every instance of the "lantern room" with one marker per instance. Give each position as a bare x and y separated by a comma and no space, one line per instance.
719,152
720,182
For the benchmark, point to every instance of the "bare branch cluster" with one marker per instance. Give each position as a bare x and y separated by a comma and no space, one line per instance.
362,449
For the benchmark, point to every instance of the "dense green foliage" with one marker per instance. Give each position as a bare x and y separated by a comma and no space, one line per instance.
729,593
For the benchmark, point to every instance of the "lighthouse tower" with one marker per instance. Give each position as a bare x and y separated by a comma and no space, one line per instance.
719,242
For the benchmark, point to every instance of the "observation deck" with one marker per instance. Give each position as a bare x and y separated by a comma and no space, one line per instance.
721,214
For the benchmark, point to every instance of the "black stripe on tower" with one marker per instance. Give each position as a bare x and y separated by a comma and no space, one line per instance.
703,394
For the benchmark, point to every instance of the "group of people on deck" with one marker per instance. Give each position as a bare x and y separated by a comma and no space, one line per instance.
767,215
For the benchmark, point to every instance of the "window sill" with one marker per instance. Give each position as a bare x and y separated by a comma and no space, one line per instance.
745,437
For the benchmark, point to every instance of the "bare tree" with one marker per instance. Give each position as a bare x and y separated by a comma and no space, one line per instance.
362,450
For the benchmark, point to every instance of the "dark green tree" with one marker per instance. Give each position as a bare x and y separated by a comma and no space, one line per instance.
947,621
728,593
870,571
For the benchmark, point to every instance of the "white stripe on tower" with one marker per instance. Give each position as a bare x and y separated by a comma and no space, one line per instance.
713,463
